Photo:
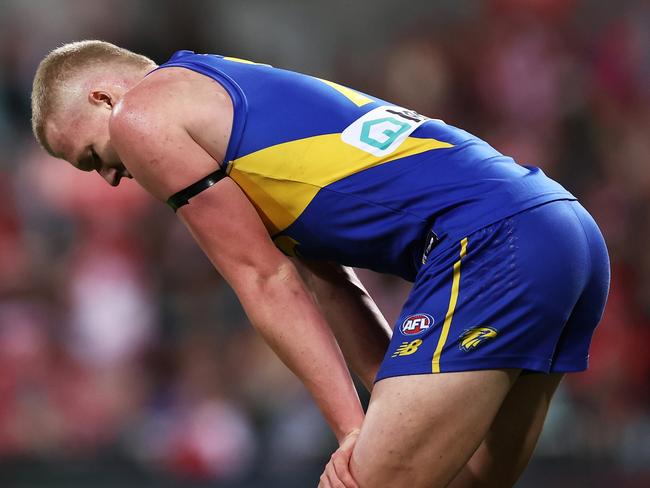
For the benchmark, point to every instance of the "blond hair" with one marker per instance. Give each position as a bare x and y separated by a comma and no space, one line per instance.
61,65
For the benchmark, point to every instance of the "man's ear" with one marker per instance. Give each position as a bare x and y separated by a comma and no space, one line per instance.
101,97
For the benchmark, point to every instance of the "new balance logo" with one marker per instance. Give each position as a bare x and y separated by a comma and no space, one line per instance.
407,348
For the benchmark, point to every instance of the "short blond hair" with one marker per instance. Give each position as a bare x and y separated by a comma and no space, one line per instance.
61,65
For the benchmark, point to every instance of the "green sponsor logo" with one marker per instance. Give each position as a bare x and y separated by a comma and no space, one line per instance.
391,134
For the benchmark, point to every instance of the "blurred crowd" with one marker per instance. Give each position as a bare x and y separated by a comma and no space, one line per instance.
118,340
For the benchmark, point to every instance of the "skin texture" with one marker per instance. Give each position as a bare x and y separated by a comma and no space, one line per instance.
358,325
415,435
509,444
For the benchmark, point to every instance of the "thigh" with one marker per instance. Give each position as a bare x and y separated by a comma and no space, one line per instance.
420,430
509,443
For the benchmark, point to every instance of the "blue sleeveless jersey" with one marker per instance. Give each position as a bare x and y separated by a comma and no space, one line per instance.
339,175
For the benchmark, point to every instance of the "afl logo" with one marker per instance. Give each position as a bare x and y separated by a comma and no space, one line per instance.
416,324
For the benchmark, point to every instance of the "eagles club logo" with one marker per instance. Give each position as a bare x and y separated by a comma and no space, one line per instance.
416,324
472,338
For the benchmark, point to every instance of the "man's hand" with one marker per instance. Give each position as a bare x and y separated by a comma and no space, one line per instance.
337,472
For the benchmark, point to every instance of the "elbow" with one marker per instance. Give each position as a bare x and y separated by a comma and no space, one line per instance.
268,279
284,272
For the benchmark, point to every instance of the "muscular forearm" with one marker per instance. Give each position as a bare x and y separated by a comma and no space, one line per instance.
357,322
275,299
281,309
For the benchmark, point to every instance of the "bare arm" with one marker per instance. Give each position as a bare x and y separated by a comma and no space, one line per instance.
275,300
162,153
359,326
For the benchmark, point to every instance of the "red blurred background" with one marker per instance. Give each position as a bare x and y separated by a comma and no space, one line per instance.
126,361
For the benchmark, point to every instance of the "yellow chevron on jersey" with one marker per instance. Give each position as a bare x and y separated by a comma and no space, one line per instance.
281,191
359,99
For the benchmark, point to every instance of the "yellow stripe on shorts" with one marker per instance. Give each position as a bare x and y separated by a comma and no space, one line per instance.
455,285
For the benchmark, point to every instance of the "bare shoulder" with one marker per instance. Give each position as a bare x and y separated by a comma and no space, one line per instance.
172,129
177,96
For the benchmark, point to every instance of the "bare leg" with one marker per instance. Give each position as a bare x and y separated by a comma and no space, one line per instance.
509,444
421,430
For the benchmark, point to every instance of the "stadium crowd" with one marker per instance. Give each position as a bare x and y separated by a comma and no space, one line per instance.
123,350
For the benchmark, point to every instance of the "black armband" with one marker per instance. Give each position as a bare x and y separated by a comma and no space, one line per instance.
180,198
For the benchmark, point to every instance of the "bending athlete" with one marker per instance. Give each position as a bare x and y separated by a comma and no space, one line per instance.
285,180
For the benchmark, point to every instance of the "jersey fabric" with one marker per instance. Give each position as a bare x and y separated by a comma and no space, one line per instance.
509,270
339,175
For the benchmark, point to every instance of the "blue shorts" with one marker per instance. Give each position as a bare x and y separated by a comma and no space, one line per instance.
526,292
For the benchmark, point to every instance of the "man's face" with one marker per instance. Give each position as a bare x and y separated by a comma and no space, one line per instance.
80,135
